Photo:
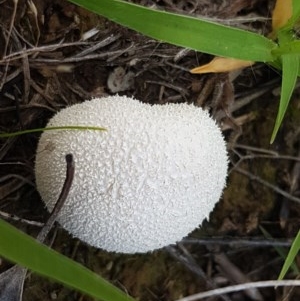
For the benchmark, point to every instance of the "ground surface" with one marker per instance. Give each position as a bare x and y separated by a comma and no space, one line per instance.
49,63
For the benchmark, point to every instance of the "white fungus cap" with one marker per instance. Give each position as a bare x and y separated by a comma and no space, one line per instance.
146,182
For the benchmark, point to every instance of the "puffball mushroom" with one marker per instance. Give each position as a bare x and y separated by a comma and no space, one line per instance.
146,182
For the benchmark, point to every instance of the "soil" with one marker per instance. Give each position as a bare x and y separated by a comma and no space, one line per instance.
49,62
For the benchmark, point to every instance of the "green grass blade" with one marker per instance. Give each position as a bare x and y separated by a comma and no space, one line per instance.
53,128
290,69
22,249
296,10
281,251
295,14
292,47
185,31
294,250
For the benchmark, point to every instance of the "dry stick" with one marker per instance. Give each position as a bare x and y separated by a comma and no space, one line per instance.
61,200
243,100
266,153
181,54
284,211
101,44
35,14
12,280
4,76
19,219
237,242
189,262
295,175
240,287
12,186
46,48
11,25
256,149
81,59
267,184
235,275
24,107
26,67
271,157
182,91
6,147
7,78
40,91
16,176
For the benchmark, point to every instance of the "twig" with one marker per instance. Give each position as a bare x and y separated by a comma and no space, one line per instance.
4,76
47,48
26,68
256,149
271,157
265,153
61,200
237,242
189,262
175,66
13,185
80,59
295,175
168,85
181,54
24,107
16,176
235,275
35,14
37,88
240,287
101,44
254,94
11,25
19,219
253,177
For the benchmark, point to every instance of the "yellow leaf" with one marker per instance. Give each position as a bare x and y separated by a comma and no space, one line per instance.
282,13
221,64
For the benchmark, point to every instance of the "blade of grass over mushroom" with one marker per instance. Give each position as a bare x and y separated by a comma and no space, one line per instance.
290,69
185,31
18,247
79,128
294,250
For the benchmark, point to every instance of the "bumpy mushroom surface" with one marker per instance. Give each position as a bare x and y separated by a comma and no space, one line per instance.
146,182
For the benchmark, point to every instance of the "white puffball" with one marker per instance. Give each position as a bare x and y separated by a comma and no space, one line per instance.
146,182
